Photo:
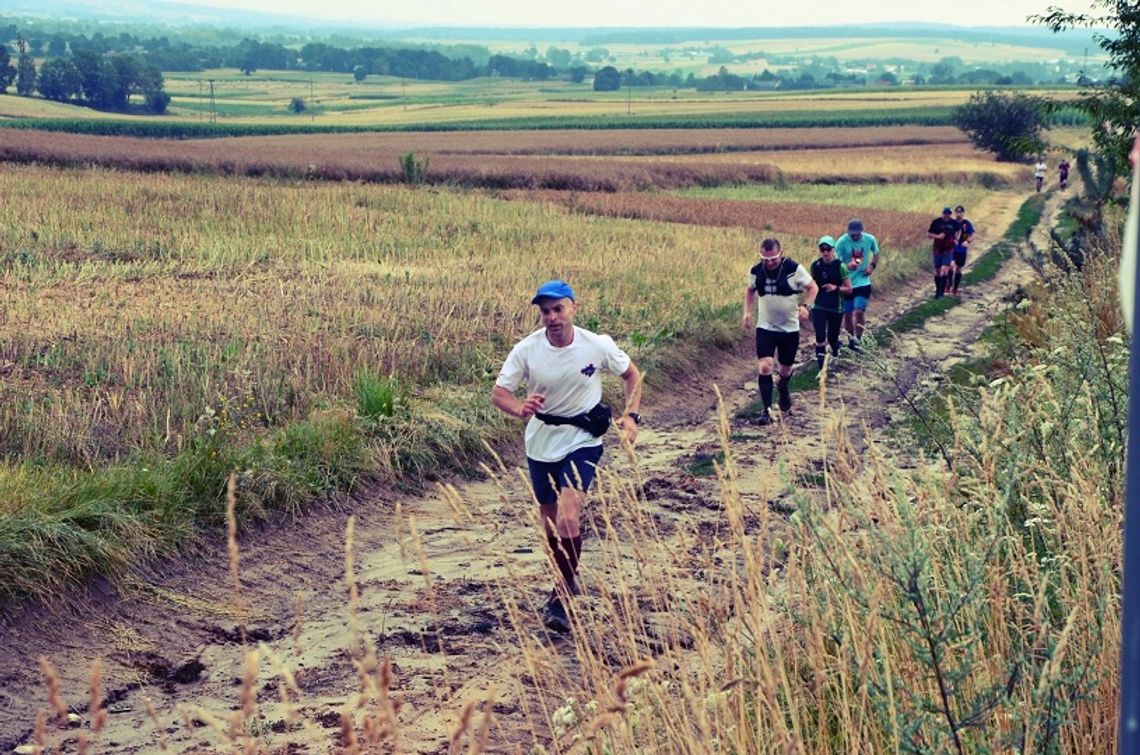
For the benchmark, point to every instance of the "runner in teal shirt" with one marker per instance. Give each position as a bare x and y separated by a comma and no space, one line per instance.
859,251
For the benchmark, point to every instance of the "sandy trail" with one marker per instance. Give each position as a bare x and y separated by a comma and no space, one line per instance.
434,572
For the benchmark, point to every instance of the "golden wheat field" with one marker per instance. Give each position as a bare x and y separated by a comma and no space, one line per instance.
134,301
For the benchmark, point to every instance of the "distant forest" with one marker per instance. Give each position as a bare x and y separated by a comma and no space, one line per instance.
185,49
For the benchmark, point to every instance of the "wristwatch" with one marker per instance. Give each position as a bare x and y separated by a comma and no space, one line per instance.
635,417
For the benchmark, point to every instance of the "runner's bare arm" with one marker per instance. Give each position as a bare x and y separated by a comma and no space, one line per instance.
506,401
749,307
811,291
626,424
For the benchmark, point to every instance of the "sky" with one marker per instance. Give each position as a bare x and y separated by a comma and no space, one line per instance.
592,13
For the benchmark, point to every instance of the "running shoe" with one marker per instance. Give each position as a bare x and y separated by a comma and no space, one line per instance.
764,418
854,346
554,616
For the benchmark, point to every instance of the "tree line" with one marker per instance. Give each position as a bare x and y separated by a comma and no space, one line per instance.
100,81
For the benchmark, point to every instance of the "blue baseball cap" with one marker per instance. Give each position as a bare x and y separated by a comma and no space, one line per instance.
947,211
555,289
855,226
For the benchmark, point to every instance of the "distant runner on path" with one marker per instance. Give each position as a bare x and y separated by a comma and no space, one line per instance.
944,233
834,281
1063,172
961,246
1039,172
859,251
774,287
562,366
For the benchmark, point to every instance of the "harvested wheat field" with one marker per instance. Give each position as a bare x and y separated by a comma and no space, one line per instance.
254,497
532,159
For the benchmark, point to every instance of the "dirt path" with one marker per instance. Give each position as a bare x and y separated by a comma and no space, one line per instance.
433,572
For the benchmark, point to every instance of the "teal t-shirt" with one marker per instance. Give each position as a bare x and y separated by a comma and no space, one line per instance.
866,247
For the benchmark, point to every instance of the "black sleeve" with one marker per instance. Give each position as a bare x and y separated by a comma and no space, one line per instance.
935,226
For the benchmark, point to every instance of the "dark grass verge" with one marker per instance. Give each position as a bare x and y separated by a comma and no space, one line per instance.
1028,216
931,422
61,527
186,129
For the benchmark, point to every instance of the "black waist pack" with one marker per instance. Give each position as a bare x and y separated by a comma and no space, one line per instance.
596,421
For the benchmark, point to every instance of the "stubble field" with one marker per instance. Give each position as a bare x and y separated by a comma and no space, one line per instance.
281,310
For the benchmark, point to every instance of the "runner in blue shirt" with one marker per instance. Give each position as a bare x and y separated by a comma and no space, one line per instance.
859,251
962,246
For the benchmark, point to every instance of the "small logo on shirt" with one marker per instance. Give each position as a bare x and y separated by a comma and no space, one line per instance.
589,370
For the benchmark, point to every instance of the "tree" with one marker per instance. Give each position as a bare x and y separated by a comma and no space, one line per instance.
7,70
297,105
59,80
124,78
1114,106
1009,125
57,46
943,71
359,73
151,84
25,71
607,79
558,57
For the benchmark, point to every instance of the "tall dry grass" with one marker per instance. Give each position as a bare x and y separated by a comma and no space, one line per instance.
896,610
143,310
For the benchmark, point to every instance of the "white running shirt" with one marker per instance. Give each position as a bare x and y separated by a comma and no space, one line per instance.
775,312
571,379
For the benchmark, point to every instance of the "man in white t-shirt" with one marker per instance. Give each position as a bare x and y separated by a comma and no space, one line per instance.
774,287
562,367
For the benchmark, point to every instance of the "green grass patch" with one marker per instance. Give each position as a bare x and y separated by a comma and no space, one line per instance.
62,526
183,129
911,197
1028,216
917,316
704,465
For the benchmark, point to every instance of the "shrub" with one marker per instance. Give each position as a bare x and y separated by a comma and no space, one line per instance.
1009,125
414,169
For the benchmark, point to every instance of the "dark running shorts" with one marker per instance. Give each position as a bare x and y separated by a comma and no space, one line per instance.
942,259
858,299
960,255
781,345
575,471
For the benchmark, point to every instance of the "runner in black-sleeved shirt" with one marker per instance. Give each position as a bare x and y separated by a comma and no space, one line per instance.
834,280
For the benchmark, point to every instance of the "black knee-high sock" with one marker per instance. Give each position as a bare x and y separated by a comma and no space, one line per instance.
939,285
957,278
766,390
566,551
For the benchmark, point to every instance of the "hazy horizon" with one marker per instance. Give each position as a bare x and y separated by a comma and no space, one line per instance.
638,13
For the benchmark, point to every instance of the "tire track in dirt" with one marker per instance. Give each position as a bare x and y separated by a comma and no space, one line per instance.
434,572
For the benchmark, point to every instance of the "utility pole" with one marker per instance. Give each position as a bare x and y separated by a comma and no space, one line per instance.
213,105
404,84
201,98
312,104
628,99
